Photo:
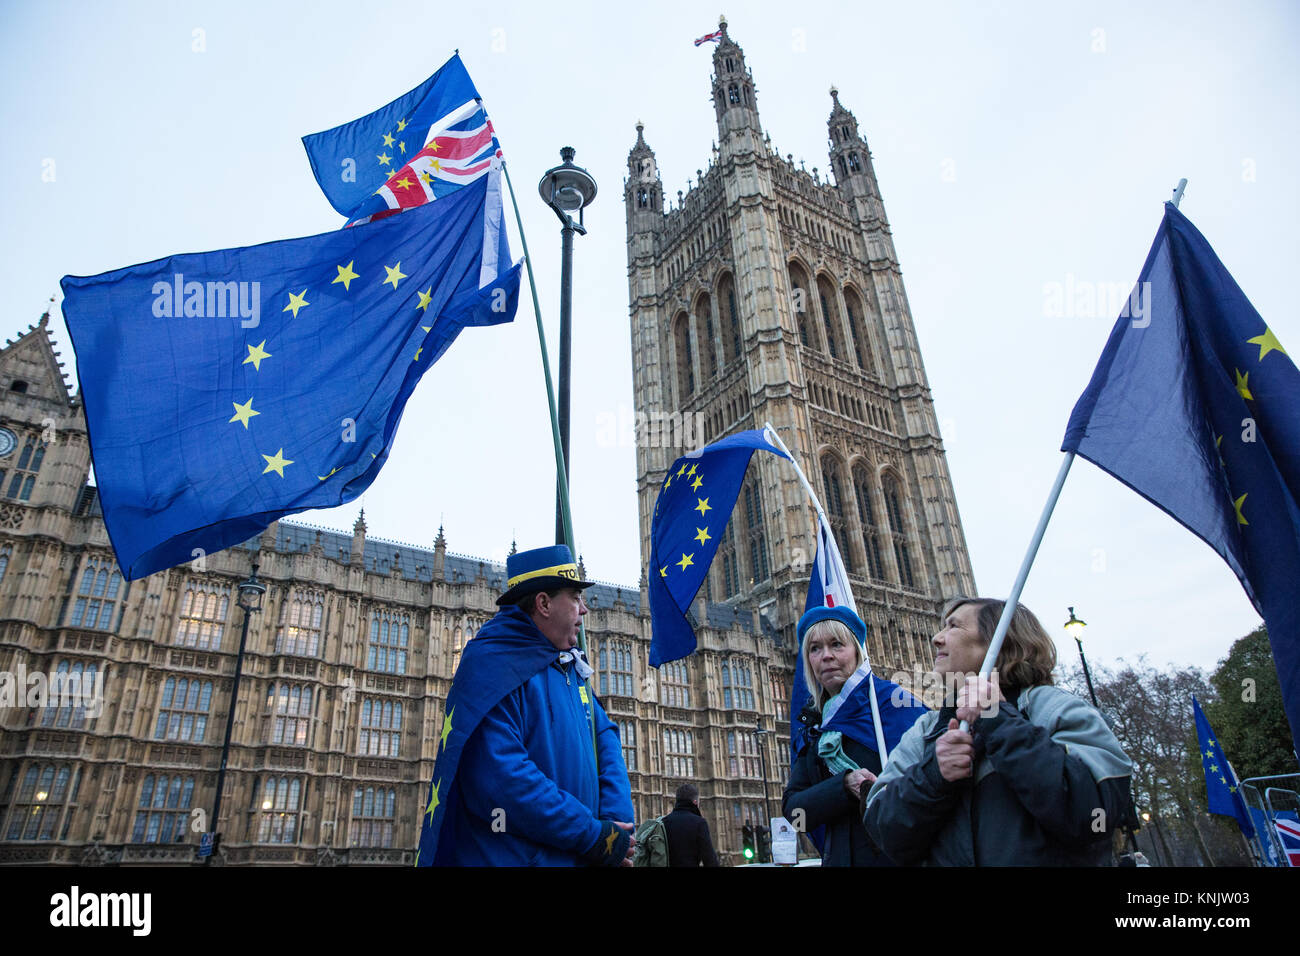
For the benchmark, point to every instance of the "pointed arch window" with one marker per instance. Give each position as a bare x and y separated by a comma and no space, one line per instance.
24,475
97,595
643,198
854,165
300,624
685,360
835,508
203,615
704,334
898,530
758,567
867,518
830,315
733,94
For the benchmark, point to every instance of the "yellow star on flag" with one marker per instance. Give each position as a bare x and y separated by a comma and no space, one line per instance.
1210,752
244,412
436,165
1267,343
703,505
404,183
388,139
1241,519
687,560
384,159
255,355
402,146
426,178
401,125
276,463
1243,387
425,299
433,144
1231,789
323,477
426,328
446,727
1214,768
692,471
394,273
433,802
663,572
702,535
417,354
346,275
695,485
1223,780
297,302
681,471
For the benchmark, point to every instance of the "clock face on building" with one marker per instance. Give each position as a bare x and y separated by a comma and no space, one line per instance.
8,442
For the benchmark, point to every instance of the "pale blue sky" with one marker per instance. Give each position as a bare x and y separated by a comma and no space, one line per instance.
1016,144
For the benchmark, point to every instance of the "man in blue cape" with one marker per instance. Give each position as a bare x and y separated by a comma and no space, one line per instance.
530,770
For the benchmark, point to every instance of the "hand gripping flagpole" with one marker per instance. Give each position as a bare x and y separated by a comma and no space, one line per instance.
562,477
1004,622
771,435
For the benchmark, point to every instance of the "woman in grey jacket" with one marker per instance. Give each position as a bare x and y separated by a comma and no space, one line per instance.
1039,780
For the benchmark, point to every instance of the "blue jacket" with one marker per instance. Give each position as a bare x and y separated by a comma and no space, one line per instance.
525,791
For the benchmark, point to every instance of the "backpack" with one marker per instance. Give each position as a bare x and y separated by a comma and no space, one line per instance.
651,844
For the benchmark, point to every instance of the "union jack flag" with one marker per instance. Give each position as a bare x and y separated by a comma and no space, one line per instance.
1288,833
710,37
459,148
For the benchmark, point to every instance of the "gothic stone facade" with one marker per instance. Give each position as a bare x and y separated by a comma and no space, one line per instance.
767,294
346,673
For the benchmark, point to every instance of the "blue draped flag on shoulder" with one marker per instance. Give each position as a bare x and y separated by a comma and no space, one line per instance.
355,159
1221,786
1195,405
691,513
224,390
828,586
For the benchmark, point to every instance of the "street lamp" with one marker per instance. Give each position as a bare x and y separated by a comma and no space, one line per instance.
566,188
767,809
1074,627
250,599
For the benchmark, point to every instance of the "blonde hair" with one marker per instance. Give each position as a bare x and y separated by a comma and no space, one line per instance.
826,629
1028,654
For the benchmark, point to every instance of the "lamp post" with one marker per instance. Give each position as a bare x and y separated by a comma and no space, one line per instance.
250,599
1074,627
566,188
767,809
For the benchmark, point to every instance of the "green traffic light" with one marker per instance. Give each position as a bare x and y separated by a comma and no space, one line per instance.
749,854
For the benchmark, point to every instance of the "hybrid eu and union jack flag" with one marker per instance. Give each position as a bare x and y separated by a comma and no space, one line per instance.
691,513
418,148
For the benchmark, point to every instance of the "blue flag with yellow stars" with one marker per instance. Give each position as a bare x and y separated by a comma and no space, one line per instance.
224,390
1221,784
694,505
353,160
493,665
1195,405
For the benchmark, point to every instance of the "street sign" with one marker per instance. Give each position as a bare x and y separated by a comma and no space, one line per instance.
205,845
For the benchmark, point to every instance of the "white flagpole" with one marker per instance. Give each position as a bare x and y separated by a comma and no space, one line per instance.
770,433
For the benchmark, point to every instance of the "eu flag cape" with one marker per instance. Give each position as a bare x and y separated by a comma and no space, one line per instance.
828,586
224,390
1196,406
491,666
1221,786
691,514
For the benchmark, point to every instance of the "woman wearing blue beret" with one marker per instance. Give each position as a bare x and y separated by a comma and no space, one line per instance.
840,759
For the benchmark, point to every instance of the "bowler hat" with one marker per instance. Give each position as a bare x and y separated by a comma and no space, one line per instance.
540,569
842,614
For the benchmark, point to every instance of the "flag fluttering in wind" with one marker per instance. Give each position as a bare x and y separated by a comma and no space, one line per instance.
1195,405
355,159
691,514
714,37
1221,786
224,390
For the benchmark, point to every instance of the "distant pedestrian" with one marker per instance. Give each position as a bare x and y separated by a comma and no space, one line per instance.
689,843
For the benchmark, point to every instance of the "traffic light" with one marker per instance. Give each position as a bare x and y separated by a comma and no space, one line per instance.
764,844
747,845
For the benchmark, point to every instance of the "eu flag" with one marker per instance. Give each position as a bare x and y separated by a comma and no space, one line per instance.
351,161
695,503
1195,405
1221,786
224,390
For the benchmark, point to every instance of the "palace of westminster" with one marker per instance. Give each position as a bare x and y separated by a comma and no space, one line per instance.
764,295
